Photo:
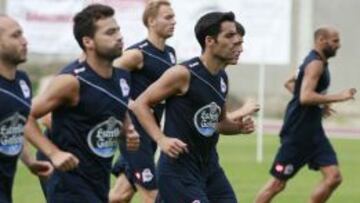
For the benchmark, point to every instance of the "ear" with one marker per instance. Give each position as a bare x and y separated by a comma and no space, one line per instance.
209,41
151,21
88,42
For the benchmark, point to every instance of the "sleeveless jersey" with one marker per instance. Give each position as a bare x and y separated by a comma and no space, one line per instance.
15,104
193,117
91,129
303,122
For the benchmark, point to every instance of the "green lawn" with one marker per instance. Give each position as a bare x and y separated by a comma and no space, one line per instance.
238,159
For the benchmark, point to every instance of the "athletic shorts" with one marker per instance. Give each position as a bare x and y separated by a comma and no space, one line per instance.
138,166
292,157
65,187
215,188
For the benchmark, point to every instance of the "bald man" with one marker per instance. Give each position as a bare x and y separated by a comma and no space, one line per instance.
15,104
303,140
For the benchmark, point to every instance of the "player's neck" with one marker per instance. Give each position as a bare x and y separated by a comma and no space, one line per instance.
213,64
157,41
321,54
7,71
101,66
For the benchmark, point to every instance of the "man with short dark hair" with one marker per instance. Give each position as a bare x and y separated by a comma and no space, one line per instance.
147,60
88,102
195,93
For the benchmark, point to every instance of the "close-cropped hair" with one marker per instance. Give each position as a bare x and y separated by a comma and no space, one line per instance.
152,9
85,21
210,25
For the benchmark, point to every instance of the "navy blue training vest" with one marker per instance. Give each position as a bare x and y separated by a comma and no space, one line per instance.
193,117
302,123
15,104
91,129
156,62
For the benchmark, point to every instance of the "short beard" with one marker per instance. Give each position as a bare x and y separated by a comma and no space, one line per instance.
329,52
108,55
12,59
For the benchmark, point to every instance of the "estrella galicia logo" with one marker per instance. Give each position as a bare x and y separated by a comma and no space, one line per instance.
103,139
11,134
206,118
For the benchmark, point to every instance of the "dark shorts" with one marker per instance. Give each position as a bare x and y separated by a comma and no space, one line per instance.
8,166
138,166
292,157
70,188
218,188
214,189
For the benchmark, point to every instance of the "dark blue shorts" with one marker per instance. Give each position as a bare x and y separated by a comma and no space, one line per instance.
138,166
218,187
7,174
70,188
215,188
291,157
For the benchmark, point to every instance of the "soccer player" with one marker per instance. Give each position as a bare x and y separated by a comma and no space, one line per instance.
303,140
88,102
147,60
15,103
250,106
195,93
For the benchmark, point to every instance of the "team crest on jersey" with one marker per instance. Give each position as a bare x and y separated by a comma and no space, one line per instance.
103,139
125,89
223,85
25,88
206,118
172,58
11,134
147,176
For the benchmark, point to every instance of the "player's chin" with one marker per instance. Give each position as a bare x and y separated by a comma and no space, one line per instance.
233,61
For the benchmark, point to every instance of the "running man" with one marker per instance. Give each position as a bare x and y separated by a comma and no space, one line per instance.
195,93
303,140
88,102
15,103
147,60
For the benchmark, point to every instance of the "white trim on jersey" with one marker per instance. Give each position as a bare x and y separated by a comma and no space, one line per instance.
208,84
156,57
16,97
102,90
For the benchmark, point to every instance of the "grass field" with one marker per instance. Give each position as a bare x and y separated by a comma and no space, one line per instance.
238,159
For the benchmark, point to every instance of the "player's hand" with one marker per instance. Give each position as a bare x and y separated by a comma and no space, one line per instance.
172,147
132,138
348,94
250,107
43,169
64,161
246,125
328,111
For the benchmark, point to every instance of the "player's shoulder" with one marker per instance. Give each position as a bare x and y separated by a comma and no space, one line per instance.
22,74
191,63
72,67
139,45
122,73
